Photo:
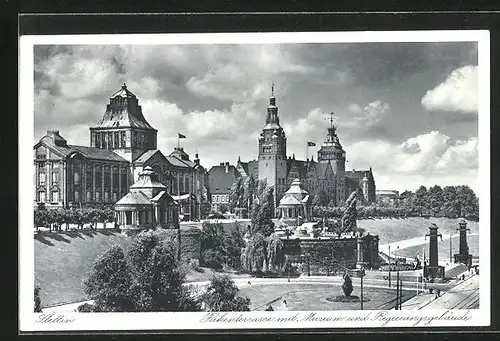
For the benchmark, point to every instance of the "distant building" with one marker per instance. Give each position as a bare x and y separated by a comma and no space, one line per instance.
122,145
147,205
326,177
387,197
220,181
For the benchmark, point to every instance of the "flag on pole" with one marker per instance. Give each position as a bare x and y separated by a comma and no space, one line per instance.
310,144
182,136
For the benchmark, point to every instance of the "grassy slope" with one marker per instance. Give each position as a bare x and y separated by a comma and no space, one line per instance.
63,259
391,230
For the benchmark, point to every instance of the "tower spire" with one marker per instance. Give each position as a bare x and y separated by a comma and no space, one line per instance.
272,89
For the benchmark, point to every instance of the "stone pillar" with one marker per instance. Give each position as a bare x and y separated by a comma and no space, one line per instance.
112,187
102,184
433,269
64,185
119,182
93,182
463,248
433,247
463,255
359,260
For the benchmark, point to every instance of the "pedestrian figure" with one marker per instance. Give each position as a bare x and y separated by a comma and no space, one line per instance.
284,302
463,277
270,308
249,283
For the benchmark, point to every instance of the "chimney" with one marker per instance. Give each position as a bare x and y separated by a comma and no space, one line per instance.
221,164
227,167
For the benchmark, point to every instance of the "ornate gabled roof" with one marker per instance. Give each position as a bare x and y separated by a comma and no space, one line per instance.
123,111
295,195
148,180
124,92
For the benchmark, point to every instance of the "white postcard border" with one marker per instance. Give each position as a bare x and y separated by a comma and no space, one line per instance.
29,321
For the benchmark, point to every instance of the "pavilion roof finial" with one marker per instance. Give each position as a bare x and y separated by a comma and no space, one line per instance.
272,89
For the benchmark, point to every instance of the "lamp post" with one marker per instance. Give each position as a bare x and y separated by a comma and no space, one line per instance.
451,255
389,258
362,274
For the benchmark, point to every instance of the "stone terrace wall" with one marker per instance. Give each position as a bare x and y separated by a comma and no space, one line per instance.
342,250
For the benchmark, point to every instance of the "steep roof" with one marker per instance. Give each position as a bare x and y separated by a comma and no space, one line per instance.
220,181
55,142
98,154
123,111
146,156
134,198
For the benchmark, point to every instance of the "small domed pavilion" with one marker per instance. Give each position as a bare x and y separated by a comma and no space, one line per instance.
147,205
295,203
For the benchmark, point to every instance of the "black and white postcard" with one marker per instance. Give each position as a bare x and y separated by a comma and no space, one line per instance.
254,180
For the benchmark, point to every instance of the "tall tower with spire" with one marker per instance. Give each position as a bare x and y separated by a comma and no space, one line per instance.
332,152
123,128
272,151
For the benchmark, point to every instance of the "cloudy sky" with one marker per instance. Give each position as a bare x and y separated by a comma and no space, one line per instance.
409,110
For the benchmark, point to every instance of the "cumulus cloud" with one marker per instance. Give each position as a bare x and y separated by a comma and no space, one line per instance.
217,95
457,93
430,153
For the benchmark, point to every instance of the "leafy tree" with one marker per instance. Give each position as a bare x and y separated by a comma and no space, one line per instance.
275,252
223,208
158,277
350,214
249,192
221,295
263,213
253,257
213,259
237,194
148,279
435,199
232,245
347,286
38,301
109,282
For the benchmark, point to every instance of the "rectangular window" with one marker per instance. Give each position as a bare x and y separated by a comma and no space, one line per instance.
110,140
89,196
97,196
41,196
55,177
116,140
97,140
122,139
55,196
76,177
128,218
103,141
77,196
41,179
106,196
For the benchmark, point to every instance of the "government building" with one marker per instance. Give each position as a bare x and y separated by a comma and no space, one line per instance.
122,147
325,177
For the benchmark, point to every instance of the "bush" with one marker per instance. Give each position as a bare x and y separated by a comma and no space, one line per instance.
149,278
86,308
195,264
213,259
221,296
